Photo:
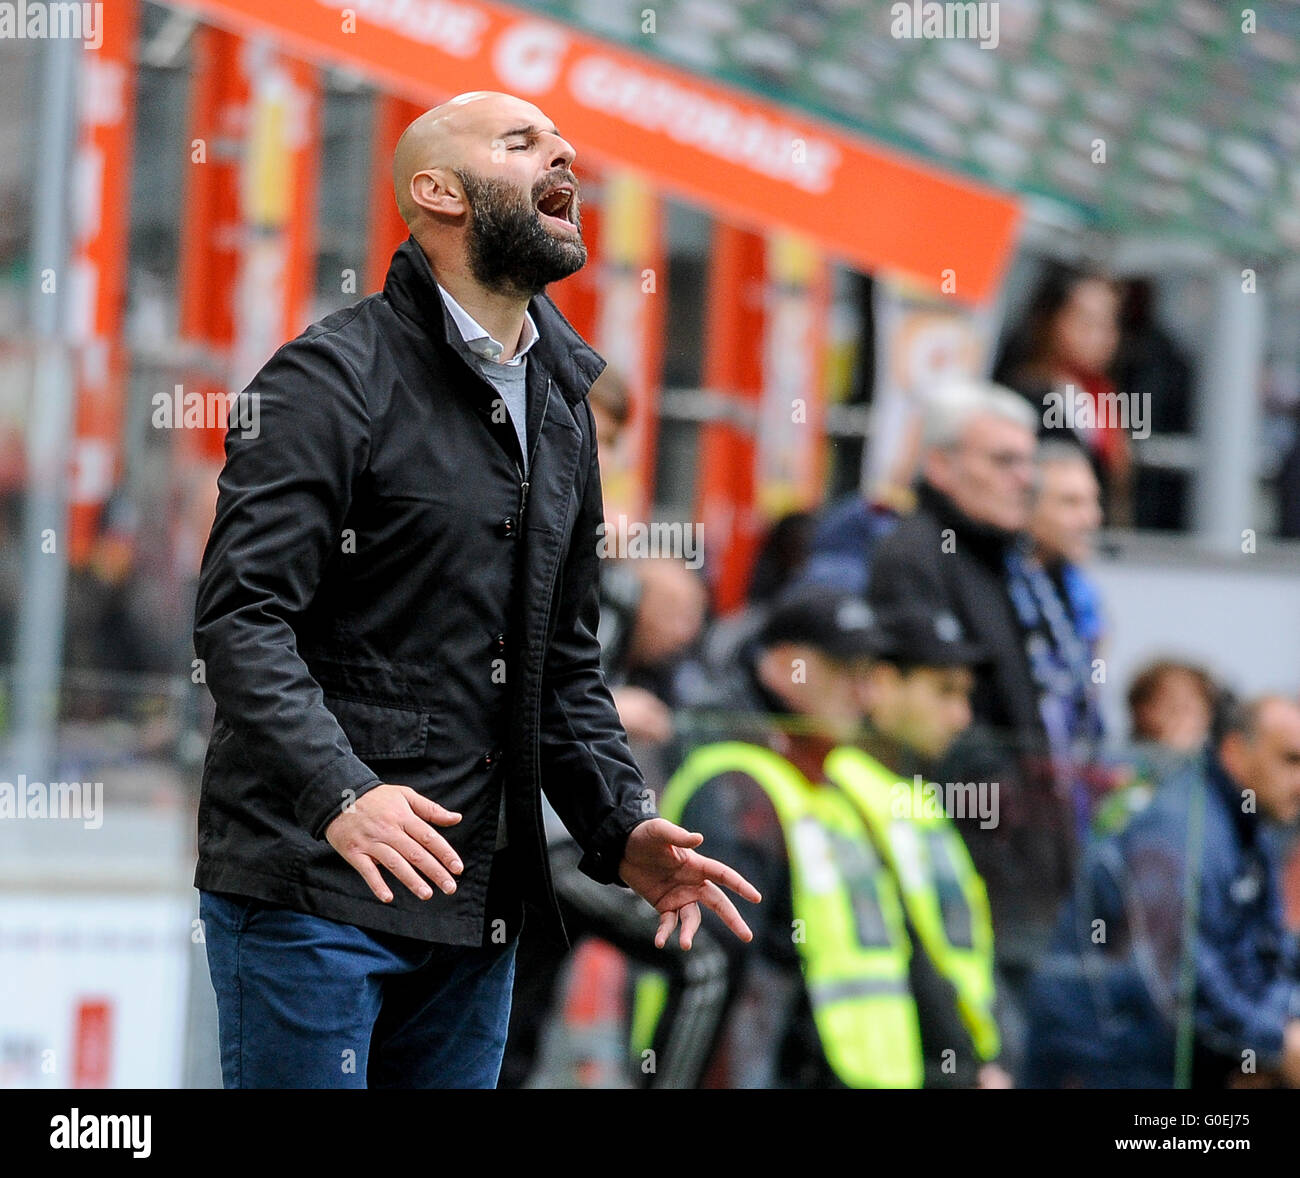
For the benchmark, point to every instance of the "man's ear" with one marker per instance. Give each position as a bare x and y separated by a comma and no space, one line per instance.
783,670
866,686
936,465
439,191
883,680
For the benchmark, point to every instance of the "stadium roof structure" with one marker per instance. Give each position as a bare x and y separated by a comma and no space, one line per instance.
1198,111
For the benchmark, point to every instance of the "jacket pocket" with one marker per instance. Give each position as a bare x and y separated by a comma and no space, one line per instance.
380,730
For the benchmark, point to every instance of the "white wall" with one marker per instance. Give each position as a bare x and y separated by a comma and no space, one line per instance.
1239,617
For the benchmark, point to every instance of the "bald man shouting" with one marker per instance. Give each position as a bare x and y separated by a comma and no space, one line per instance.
396,615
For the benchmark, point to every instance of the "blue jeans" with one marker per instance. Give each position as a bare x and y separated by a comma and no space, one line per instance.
305,1002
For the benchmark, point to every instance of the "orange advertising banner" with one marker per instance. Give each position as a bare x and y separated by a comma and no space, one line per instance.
99,274
629,332
737,319
750,159
791,441
209,248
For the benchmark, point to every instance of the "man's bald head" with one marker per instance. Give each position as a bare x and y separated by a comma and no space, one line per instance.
450,137
484,183
1261,751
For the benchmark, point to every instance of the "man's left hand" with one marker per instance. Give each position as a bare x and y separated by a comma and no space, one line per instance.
660,865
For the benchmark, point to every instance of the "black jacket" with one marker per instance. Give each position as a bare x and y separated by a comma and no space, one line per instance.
967,577
1025,859
383,599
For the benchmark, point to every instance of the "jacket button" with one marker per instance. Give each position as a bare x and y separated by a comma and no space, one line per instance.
507,526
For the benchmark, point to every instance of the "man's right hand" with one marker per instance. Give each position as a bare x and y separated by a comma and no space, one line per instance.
389,826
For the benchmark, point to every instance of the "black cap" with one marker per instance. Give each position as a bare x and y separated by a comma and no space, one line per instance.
922,636
839,624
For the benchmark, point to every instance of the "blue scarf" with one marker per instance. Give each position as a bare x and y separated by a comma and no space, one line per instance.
1060,640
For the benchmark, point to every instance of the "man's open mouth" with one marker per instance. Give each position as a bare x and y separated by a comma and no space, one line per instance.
559,204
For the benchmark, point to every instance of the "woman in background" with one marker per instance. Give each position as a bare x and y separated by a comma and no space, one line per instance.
1069,337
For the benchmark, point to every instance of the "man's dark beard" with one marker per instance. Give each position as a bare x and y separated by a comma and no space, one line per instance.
510,250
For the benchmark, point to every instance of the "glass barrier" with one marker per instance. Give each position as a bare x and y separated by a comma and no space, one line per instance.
1121,952
1120,959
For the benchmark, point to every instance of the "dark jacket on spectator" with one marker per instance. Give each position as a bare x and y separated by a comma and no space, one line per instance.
844,543
1026,859
968,577
1104,1013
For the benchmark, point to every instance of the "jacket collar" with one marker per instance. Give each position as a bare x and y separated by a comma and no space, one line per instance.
899,759
984,541
570,361
476,336
1229,792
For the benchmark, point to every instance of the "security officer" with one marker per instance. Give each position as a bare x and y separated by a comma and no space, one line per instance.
823,996
918,703
871,896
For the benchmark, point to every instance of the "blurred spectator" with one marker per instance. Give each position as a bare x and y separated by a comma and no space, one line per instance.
1060,610
780,562
1172,704
844,543
611,406
1067,510
1068,340
918,704
1287,484
669,613
771,803
666,621
652,611
1063,525
1106,1005
781,556
963,552
1150,363
107,627
1172,707
1151,367
952,552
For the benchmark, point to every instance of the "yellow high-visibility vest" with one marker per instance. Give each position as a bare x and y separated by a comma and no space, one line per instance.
943,893
849,924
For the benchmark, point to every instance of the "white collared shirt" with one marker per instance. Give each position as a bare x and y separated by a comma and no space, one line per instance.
477,339
512,384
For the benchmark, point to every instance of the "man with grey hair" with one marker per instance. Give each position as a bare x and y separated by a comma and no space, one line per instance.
1061,615
1066,512
959,552
977,475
